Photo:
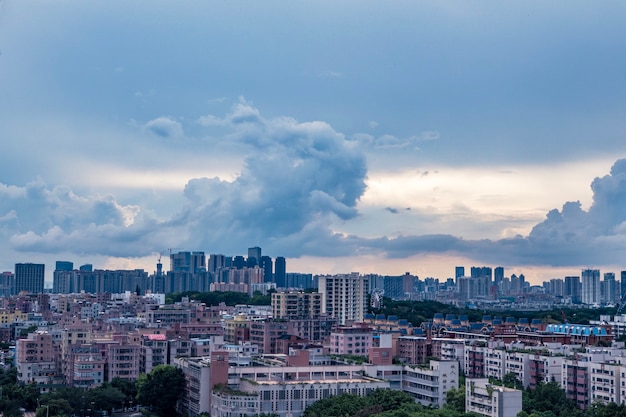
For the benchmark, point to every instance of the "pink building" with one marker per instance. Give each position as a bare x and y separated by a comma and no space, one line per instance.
346,340
36,363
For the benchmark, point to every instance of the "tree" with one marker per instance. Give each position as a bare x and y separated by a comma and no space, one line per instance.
127,387
455,400
161,389
549,398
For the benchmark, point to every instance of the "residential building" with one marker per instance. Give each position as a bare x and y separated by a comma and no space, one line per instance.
344,296
296,305
354,340
29,278
489,400
591,286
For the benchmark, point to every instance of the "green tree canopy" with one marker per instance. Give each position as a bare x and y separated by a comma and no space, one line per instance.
161,389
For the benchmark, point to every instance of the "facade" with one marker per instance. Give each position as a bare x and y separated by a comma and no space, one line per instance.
29,277
591,292
344,296
35,361
350,341
296,305
489,400
413,349
429,385
280,272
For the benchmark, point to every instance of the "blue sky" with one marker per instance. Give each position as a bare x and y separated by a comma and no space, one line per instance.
355,135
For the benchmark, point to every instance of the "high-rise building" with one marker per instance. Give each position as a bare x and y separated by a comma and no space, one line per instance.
591,286
188,262
498,275
64,266
482,279
198,262
459,272
622,284
280,272
7,284
86,268
255,253
609,288
60,280
296,305
344,296
29,277
239,262
572,289
268,268
216,262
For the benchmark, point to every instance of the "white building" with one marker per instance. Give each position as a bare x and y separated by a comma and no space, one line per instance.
489,400
344,296
591,286
429,385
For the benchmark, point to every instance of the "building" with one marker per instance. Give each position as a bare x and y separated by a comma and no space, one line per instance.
591,286
350,340
296,305
35,361
344,296
7,284
29,277
489,400
572,289
428,385
280,272
254,253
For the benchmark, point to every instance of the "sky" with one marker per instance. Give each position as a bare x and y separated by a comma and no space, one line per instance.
379,137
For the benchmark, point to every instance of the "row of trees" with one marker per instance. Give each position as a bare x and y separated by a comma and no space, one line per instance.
159,391
418,312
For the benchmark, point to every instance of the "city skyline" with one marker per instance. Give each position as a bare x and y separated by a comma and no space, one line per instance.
346,137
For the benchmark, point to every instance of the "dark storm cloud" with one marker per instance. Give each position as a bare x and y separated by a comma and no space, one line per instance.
298,178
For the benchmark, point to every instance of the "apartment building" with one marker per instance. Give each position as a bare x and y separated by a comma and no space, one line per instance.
296,305
428,384
489,400
354,340
413,349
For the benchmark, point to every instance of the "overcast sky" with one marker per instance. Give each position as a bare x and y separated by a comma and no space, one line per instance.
369,136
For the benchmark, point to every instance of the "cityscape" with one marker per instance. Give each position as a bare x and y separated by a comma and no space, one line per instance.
312,209
483,287
317,336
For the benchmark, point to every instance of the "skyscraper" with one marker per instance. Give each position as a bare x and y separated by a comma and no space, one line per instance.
591,286
459,272
267,267
280,272
609,288
255,253
573,289
498,275
29,277
216,262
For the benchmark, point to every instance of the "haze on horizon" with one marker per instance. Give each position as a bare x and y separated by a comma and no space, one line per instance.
351,136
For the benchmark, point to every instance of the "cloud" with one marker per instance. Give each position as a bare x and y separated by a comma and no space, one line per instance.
297,182
164,127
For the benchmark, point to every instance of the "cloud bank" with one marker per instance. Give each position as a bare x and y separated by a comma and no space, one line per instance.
298,181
